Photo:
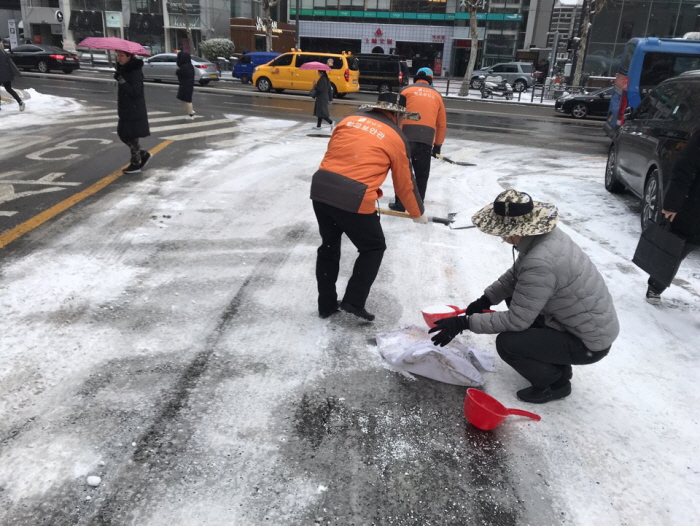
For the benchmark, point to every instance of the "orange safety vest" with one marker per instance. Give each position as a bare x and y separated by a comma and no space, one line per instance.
421,97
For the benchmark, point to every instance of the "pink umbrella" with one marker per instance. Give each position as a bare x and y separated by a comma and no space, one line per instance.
315,65
114,44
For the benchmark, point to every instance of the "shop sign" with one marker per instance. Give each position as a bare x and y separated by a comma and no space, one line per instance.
379,40
12,28
438,39
113,19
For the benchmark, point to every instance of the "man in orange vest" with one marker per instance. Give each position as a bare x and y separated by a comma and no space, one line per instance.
427,134
363,148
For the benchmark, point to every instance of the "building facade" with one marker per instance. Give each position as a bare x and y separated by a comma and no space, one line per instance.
159,25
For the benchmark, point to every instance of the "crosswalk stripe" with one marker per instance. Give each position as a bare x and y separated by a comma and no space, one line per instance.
205,133
191,125
113,123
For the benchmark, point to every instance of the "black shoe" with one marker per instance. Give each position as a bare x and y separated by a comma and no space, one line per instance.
360,312
653,298
396,207
145,157
325,313
132,169
542,395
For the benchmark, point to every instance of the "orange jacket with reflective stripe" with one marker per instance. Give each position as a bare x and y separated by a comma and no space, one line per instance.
363,148
432,126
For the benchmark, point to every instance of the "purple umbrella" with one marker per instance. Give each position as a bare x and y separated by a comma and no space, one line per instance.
114,44
315,65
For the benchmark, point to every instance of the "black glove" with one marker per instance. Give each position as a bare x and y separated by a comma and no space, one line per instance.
437,148
449,328
478,306
117,75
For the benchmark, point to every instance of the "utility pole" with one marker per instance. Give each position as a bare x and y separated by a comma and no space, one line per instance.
298,36
183,8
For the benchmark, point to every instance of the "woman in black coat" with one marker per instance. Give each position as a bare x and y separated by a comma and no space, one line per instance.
8,72
185,76
131,109
323,93
681,204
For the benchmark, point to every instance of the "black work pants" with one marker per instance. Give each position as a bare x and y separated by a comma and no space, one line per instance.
421,154
544,355
657,287
8,88
365,232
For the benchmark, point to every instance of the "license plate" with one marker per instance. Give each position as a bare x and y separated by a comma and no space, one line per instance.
354,81
212,76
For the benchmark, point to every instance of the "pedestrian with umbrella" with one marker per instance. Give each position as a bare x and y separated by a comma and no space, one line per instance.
131,109
185,78
322,92
8,71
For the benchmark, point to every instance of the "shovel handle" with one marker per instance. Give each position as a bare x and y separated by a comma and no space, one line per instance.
441,220
520,412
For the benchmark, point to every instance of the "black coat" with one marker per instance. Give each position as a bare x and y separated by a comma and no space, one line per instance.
185,76
324,95
131,104
8,70
683,194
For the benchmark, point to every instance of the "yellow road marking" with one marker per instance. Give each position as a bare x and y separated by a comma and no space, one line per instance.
41,218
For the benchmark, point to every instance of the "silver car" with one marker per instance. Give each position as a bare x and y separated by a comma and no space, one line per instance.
517,74
163,66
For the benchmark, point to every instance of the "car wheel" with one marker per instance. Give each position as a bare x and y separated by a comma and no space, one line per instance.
651,208
245,79
68,71
579,110
42,66
339,95
612,183
519,85
475,83
279,90
509,96
264,84
384,88
203,82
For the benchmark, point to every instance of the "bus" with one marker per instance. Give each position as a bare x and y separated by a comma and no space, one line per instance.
645,63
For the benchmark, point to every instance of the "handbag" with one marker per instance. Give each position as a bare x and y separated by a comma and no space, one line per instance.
659,252
312,93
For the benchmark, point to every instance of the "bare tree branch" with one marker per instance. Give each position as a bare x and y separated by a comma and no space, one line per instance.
471,6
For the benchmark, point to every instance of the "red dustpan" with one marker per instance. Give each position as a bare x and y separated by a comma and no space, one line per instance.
485,412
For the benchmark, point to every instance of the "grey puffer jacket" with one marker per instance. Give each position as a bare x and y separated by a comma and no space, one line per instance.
552,276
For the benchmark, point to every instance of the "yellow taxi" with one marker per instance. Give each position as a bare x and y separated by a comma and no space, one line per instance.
284,72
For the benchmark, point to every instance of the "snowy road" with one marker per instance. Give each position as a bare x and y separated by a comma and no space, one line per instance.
164,337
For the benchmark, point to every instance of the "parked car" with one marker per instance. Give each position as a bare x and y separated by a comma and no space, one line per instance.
585,104
163,66
244,68
517,74
44,58
284,73
645,146
382,72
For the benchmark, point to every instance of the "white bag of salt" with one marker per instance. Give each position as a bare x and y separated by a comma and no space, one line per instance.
411,350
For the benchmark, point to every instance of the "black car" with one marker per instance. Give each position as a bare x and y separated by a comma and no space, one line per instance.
645,146
44,58
382,72
581,106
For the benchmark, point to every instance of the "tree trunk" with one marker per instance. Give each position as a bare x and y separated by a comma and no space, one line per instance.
464,89
582,45
188,29
267,20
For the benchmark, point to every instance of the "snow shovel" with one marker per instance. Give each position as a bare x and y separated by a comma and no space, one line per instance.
448,160
442,220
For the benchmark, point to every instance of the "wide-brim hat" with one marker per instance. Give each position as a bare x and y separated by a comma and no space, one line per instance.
514,213
393,102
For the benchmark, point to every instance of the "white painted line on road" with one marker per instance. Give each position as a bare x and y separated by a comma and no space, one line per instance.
190,125
112,123
8,174
48,179
6,214
260,106
206,133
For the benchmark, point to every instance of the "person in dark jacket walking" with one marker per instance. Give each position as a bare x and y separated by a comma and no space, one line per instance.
8,72
131,109
560,312
363,149
185,77
681,205
323,93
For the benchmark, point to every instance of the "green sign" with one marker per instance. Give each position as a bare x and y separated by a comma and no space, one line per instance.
332,13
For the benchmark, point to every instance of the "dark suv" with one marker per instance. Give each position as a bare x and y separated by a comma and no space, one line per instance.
382,72
646,145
